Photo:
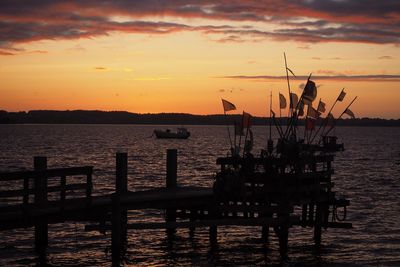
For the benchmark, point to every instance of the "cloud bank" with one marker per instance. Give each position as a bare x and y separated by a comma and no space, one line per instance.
367,21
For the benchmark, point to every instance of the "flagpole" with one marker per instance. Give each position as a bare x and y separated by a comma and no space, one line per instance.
227,127
241,131
288,83
312,129
323,126
270,116
245,139
343,113
295,111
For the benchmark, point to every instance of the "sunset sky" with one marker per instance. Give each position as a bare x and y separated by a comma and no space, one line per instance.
184,56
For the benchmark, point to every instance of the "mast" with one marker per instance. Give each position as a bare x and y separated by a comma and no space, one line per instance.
288,83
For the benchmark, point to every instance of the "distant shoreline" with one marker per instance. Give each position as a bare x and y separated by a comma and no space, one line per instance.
123,117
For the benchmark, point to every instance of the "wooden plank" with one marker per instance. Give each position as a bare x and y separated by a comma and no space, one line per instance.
49,173
22,192
203,223
254,208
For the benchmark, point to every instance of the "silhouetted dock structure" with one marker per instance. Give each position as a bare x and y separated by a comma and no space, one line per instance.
267,193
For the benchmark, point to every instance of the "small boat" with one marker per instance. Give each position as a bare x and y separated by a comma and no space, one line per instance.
181,133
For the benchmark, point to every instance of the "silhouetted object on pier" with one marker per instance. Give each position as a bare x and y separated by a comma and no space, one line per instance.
265,199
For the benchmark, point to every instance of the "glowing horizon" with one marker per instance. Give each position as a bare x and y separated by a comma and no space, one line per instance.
174,57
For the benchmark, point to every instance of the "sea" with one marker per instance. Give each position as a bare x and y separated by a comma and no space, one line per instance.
367,173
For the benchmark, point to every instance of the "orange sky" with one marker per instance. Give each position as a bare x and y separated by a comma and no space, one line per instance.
176,57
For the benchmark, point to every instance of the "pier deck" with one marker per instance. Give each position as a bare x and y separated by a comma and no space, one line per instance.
46,196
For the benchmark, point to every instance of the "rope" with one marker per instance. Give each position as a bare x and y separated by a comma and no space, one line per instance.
335,216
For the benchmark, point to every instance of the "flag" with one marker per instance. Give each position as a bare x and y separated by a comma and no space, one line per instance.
309,92
282,101
341,96
310,123
301,109
312,112
238,129
228,105
293,100
246,120
350,113
321,107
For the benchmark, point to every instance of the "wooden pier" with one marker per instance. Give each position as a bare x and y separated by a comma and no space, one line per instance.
45,196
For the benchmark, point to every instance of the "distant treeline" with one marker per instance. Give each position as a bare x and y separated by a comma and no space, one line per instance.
123,117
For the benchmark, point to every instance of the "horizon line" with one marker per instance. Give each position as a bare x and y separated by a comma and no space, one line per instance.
175,113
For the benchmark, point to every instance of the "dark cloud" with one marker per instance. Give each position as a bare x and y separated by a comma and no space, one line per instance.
339,77
306,21
385,57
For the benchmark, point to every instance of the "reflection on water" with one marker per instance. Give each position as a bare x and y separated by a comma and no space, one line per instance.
367,173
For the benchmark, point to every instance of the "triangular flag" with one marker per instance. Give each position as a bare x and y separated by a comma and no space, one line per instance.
310,92
312,112
321,107
294,99
282,101
341,96
350,113
246,120
228,105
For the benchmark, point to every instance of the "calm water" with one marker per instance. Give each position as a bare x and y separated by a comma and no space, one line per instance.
367,172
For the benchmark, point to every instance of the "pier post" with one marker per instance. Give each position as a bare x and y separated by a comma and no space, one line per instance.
283,240
265,233
283,230
41,229
171,182
317,225
119,215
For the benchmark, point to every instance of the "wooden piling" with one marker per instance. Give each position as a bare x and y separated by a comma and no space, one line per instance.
41,228
317,225
265,233
171,182
119,215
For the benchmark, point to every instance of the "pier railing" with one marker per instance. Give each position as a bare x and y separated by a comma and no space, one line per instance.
39,184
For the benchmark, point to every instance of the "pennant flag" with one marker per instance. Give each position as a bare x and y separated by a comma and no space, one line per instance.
310,124
238,129
246,120
293,100
228,105
282,101
330,120
341,96
321,107
291,72
312,112
310,92
301,109
349,112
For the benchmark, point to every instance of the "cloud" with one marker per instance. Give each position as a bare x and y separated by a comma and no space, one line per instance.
385,57
367,21
100,68
337,77
6,53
